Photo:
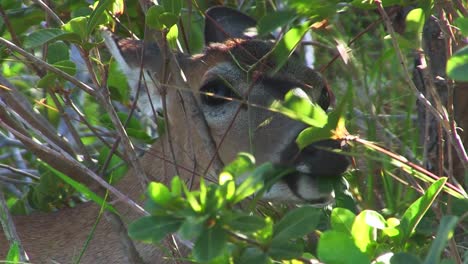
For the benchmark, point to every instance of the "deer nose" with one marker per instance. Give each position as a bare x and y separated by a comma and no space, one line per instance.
322,158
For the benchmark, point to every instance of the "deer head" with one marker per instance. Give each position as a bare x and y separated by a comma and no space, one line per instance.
234,83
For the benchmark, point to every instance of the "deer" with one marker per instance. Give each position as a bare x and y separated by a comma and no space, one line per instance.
235,107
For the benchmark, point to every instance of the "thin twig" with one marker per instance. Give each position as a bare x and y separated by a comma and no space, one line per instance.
63,162
439,114
19,171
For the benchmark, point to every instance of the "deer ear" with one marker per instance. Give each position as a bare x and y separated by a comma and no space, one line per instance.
128,54
222,23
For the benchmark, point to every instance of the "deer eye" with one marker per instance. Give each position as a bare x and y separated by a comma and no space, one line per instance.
216,92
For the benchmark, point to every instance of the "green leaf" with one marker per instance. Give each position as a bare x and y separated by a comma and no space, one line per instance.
299,107
172,6
286,46
13,255
192,199
414,26
77,26
253,256
117,83
247,223
457,65
172,36
66,66
192,227
151,229
342,220
328,250
253,182
176,186
82,189
274,20
42,36
58,51
416,210
159,193
297,223
283,249
462,24
404,258
364,229
210,244
243,163
98,15
444,233
168,19
153,17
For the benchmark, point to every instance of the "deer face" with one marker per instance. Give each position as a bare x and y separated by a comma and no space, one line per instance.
234,82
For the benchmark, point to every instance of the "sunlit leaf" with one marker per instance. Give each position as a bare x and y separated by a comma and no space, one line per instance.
13,255
347,252
364,229
342,220
457,65
416,210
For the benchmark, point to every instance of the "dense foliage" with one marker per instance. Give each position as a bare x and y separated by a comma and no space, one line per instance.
393,211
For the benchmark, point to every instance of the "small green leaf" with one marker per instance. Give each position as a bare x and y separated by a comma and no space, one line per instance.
297,223
364,229
172,6
176,186
414,26
153,17
342,220
78,26
58,51
168,19
13,255
42,36
444,233
284,249
98,15
243,163
347,252
299,107
151,229
274,20
172,36
247,223
457,65
210,244
286,46
159,193
117,83
66,66
253,182
462,24
416,210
